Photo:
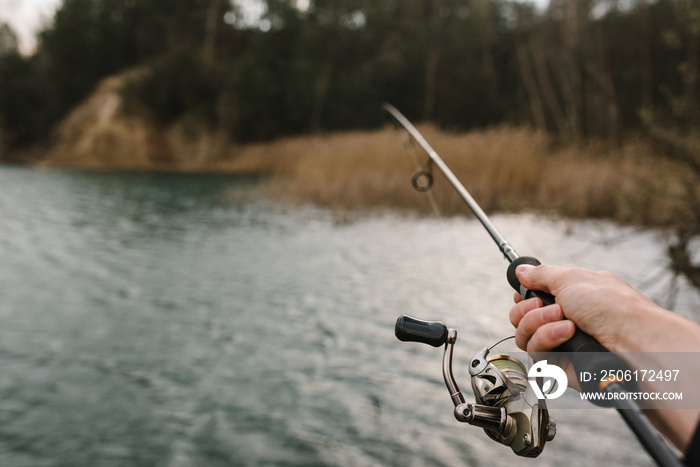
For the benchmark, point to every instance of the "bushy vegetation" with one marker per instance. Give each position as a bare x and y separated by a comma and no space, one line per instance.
506,169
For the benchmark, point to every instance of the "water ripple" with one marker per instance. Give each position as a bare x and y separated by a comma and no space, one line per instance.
182,320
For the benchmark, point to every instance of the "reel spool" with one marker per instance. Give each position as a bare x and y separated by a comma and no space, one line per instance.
511,367
513,381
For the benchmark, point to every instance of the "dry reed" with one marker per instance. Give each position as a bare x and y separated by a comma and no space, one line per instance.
504,168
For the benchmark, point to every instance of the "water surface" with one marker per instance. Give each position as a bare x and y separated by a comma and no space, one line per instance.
172,320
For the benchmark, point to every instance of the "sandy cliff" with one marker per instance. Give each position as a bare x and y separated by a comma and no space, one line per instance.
99,134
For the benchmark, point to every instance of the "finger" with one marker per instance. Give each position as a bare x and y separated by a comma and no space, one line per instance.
549,336
521,308
533,320
541,277
517,298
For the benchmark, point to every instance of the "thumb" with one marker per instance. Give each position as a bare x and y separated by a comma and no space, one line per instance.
536,277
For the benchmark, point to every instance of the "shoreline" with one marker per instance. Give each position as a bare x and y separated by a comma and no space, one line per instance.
505,169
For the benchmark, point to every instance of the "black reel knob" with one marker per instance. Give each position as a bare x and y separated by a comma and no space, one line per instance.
409,329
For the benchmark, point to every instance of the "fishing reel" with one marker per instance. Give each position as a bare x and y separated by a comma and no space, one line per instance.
506,407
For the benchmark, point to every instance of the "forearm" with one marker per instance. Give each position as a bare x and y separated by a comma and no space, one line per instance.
648,339
650,328
678,425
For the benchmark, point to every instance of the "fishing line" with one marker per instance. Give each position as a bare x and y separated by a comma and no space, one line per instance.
604,240
672,294
669,288
588,243
502,340
421,172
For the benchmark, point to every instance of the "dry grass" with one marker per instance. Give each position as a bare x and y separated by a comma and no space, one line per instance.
505,169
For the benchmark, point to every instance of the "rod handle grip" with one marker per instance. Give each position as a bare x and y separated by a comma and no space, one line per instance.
547,299
409,329
580,343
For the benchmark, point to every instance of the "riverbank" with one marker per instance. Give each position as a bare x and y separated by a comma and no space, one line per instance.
506,169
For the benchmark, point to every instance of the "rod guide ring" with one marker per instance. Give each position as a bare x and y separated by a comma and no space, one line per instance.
422,180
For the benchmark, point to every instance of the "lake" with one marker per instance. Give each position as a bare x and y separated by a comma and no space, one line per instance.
185,320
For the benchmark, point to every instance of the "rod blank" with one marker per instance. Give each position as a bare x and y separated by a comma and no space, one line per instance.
503,245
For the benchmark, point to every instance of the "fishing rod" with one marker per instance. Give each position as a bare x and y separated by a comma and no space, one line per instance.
528,426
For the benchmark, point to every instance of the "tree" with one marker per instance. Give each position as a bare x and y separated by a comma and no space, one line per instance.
20,94
674,130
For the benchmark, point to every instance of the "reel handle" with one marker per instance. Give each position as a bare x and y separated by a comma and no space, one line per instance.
409,329
579,344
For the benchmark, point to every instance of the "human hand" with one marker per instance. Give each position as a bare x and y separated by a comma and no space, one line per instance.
621,319
600,303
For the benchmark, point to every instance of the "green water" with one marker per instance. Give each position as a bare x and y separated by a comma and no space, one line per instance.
171,320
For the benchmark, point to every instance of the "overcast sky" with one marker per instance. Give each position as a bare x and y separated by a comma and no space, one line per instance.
28,16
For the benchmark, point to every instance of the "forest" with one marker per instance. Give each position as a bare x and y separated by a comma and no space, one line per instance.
577,69
256,71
